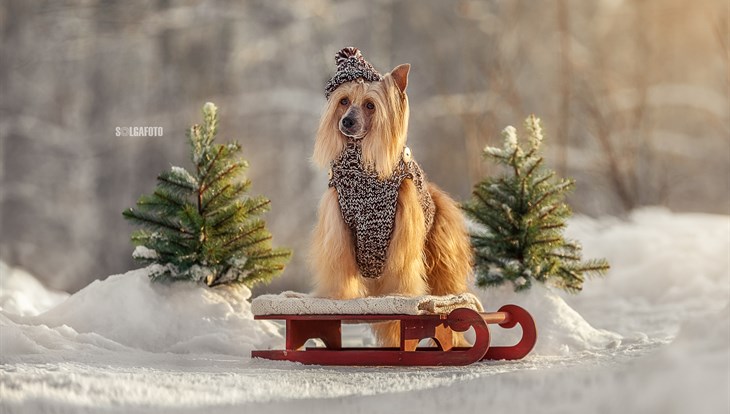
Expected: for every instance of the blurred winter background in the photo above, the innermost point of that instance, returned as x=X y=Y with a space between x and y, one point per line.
x=633 y=94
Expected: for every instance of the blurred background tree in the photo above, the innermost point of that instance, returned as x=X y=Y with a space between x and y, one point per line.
x=635 y=94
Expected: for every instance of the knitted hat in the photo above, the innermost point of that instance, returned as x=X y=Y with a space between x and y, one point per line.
x=351 y=66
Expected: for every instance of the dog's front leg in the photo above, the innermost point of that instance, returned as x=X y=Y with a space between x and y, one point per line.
x=333 y=253
x=405 y=270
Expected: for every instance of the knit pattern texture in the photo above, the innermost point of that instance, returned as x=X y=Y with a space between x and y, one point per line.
x=294 y=303
x=351 y=66
x=368 y=204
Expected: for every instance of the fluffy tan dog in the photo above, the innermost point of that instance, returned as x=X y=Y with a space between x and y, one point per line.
x=368 y=242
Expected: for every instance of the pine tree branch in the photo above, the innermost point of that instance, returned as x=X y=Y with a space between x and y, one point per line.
x=513 y=163
x=530 y=153
x=152 y=203
x=215 y=196
x=559 y=189
x=551 y=226
x=549 y=211
x=571 y=280
x=563 y=256
x=254 y=209
x=201 y=182
x=227 y=218
x=144 y=219
x=250 y=243
x=235 y=193
x=275 y=254
x=210 y=167
x=144 y=238
x=543 y=179
x=598 y=267
x=481 y=198
x=183 y=186
x=534 y=166
x=259 y=227
x=476 y=238
x=168 y=199
x=486 y=257
x=220 y=176
x=488 y=202
x=546 y=241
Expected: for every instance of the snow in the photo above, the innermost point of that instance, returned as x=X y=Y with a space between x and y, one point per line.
x=510 y=137
x=22 y=294
x=184 y=174
x=143 y=252
x=561 y=330
x=130 y=311
x=535 y=128
x=653 y=336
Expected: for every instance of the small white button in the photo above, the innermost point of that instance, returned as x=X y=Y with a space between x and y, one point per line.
x=406 y=154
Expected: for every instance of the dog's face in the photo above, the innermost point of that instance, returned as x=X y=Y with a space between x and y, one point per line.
x=357 y=108
x=375 y=113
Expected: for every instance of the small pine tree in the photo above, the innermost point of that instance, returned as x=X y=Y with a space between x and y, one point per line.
x=202 y=226
x=522 y=217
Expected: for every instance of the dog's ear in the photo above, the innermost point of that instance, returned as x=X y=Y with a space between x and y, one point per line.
x=400 y=76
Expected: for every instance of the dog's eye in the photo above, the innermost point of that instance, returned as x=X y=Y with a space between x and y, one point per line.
x=370 y=106
x=344 y=101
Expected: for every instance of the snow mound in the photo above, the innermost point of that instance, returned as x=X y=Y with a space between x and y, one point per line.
x=22 y=294
x=18 y=340
x=658 y=257
x=560 y=329
x=130 y=311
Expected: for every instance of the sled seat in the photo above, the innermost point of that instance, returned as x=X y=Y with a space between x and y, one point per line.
x=435 y=317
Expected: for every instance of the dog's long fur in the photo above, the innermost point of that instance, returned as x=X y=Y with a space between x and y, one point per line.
x=418 y=263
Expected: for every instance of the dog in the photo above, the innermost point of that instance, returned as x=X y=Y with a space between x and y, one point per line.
x=382 y=228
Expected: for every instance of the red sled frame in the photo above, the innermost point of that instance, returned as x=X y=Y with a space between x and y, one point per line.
x=414 y=328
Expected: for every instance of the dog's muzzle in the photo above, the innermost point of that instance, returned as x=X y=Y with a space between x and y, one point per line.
x=351 y=128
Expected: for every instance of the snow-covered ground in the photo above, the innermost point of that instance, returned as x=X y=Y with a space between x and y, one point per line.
x=652 y=337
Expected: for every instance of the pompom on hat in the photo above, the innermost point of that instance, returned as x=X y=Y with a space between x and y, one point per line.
x=351 y=66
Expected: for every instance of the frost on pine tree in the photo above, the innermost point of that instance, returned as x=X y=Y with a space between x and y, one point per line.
x=202 y=225
x=521 y=217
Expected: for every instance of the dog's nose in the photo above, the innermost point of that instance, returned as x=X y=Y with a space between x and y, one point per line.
x=348 y=122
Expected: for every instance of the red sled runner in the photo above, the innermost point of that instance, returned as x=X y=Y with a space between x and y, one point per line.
x=414 y=328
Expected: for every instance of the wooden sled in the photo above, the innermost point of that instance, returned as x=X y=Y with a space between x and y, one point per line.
x=414 y=328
